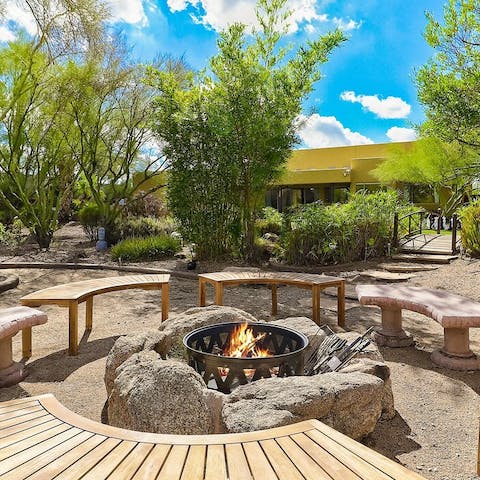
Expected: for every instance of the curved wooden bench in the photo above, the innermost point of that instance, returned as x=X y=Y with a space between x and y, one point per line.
x=308 y=281
x=72 y=294
x=41 y=439
x=455 y=313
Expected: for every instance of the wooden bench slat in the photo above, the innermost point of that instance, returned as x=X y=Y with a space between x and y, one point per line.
x=258 y=462
x=310 y=469
x=132 y=462
x=173 y=465
x=110 y=462
x=39 y=412
x=84 y=464
x=12 y=416
x=152 y=464
x=28 y=433
x=20 y=427
x=62 y=462
x=4 y=409
x=283 y=466
x=237 y=464
x=325 y=459
x=35 y=464
x=23 y=456
x=215 y=468
x=195 y=463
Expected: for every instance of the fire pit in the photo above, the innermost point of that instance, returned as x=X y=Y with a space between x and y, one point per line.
x=231 y=354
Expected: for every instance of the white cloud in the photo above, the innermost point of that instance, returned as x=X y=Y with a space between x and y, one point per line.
x=6 y=35
x=346 y=24
x=401 y=134
x=128 y=11
x=218 y=14
x=321 y=131
x=390 y=107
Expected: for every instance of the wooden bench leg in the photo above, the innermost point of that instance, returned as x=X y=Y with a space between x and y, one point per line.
x=73 y=328
x=341 y=304
x=219 y=293
x=202 y=294
x=391 y=333
x=89 y=313
x=456 y=353
x=165 y=301
x=316 y=304
x=274 y=298
x=10 y=372
x=27 y=342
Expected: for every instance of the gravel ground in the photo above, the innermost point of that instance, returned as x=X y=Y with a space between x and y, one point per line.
x=435 y=431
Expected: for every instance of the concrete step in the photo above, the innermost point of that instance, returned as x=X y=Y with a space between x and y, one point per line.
x=407 y=267
x=423 y=258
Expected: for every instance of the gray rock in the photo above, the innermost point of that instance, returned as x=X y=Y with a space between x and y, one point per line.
x=349 y=402
x=126 y=346
x=371 y=351
x=163 y=396
x=175 y=328
x=380 y=370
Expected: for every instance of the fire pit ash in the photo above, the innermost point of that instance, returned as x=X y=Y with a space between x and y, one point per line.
x=231 y=354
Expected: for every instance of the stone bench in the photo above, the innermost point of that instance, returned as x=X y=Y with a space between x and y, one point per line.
x=72 y=294
x=41 y=439
x=12 y=320
x=456 y=314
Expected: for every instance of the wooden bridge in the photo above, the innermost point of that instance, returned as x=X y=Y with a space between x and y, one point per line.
x=432 y=244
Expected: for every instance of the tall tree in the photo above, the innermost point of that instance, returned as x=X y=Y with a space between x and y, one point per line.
x=245 y=109
x=449 y=84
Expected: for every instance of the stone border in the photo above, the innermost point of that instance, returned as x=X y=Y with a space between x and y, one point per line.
x=11 y=281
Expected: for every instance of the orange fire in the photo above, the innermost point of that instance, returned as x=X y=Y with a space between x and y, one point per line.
x=243 y=343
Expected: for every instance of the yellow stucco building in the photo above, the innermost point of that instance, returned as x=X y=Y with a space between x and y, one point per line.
x=328 y=174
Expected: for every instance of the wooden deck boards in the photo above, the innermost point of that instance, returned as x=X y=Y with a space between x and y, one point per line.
x=67 y=446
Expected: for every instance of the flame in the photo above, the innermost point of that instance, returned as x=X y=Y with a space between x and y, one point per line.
x=243 y=343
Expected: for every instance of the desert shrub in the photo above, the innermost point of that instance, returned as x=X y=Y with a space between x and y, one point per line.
x=142 y=227
x=470 y=218
x=6 y=236
x=90 y=217
x=357 y=230
x=145 y=206
x=150 y=248
x=270 y=221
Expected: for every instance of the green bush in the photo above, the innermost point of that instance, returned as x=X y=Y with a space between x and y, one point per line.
x=270 y=221
x=470 y=218
x=126 y=227
x=338 y=233
x=90 y=217
x=6 y=237
x=150 y=248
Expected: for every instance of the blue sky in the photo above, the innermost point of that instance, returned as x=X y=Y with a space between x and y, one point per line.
x=367 y=93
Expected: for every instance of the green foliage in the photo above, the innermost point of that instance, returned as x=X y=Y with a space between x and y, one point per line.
x=6 y=237
x=145 y=205
x=150 y=248
x=90 y=217
x=228 y=131
x=143 y=226
x=270 y=221
x=357 y=230
x=470 y=218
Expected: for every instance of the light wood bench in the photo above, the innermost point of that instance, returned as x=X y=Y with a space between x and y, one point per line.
x=12 y=320
x=72 y=294
x=41 y=439
x=454 y=313
x=312 y=282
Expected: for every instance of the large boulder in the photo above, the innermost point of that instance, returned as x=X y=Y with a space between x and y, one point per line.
x=125 y=346
x=349 y=402
x=175 y=328
x=150 y=394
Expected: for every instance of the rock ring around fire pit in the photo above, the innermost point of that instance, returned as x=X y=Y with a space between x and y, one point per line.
x=234 y=353
x=149 y=390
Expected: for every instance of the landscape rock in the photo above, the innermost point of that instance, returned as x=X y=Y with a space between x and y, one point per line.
x=125 y=346
x=349 y=402
x=150 y=394
x=175 y=328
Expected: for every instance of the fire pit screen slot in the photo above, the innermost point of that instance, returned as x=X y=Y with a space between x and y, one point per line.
x=266 y=350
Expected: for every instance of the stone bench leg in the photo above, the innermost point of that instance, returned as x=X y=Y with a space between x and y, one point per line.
x=391 y=333
x=456 y=353
x=10 y=372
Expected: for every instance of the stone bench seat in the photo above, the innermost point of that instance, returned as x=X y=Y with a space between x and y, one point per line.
x=41 y=439
x=12 y=321
x=456 y=314
x=72 y=294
